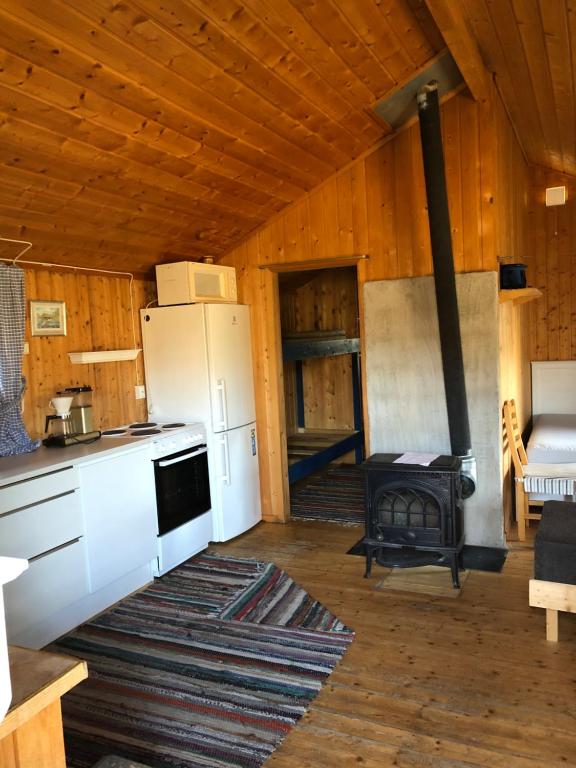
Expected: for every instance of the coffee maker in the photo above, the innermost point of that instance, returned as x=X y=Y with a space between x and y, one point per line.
x=81 y=410
x=72 y=422
x=59 y=424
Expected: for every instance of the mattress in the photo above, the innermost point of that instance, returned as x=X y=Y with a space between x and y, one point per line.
x=553 y=439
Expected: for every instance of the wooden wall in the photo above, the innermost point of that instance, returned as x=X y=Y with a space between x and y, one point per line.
x=376 y=206
x=327 y=301
x=513 y=244
x=553 y=268
x=98 y=317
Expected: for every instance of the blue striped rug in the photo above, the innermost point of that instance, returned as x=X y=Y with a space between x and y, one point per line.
x=335 y=495
x=209 y=667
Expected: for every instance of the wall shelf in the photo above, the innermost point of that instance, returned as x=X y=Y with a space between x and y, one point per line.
x=104 y=356
x=519 y=295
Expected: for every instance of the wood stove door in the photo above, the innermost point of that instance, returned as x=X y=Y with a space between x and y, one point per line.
x=407 y=515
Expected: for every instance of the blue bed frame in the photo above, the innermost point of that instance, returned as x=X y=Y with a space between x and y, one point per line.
x=298 y=350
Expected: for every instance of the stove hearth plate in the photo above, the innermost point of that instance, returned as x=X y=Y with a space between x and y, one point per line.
x=142 y=425
x=174 y=425
x=107 y=432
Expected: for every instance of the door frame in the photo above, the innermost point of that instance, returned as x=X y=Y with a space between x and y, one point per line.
x=269 y=372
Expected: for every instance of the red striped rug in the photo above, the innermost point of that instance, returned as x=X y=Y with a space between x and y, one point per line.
x=209 y=667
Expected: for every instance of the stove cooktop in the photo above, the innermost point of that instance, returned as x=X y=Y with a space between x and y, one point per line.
x=144 y=429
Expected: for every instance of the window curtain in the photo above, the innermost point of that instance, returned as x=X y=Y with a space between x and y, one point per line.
x=13 y=436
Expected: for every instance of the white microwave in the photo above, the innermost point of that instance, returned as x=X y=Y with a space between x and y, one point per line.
x=189 y=282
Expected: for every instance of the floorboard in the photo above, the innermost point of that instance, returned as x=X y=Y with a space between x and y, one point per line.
x=429 y=681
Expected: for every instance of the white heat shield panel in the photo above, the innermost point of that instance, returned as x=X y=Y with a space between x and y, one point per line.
x=405 y=383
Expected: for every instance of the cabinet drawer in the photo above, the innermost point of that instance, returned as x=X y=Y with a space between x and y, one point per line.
x=37 y=489
x=52 y=582
x=33 y=530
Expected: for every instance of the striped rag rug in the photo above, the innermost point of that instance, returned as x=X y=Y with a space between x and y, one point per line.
x=209 y=667
x=335 y=495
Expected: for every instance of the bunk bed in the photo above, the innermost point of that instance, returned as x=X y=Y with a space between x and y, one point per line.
x=311 y=449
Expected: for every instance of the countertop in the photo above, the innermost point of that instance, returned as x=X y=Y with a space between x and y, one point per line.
x=14 y=469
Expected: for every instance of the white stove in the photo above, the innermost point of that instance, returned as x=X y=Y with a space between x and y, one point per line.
x=166 y=438
x=183 y=505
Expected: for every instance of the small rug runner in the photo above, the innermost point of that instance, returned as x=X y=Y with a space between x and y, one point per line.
x=335 y=495
x=209 y=667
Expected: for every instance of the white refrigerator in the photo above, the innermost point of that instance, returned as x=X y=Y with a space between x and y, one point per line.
x=198 y=364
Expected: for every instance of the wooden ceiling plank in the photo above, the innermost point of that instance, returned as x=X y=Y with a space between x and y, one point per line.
x=73 y=30
x=498 y=48
x=107 y=39
x=462 y=45
x=163 y=50
x=559 y=37
x=68 y=238
x=151 y=108
x=237 y=42
x=114 y=236
x=69 y=124
x=393 y=34
x=50 y=164
x=33 y=140
x=529 y=24
x=376 y=33
x=306 y=41
x=39 y=184
x=346 y=43
x=426 y=21
x=89 y=108
x=31 y=201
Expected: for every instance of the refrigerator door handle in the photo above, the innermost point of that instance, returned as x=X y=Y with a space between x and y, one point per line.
x=221 y=388
x=226 y=476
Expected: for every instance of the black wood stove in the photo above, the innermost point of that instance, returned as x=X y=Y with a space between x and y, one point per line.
x=413 y=509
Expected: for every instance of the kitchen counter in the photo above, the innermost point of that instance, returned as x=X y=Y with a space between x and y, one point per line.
x=14 y=469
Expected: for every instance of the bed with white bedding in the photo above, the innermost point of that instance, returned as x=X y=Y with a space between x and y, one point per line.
x=553 y=439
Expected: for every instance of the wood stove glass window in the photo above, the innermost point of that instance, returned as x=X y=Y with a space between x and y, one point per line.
x=408 y=508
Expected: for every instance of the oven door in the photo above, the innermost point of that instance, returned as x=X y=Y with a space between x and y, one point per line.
x=182 y=487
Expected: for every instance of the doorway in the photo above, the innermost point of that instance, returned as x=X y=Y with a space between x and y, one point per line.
x=319 y=317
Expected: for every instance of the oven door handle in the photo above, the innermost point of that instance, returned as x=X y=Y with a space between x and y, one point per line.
x=186 y=456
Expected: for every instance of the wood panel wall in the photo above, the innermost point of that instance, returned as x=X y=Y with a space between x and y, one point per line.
x=513 y=244
x=552 y=268
x=376 y=206
x=327 y=302
x=98 y=317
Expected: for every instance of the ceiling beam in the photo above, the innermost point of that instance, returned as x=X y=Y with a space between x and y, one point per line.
x=451 y=22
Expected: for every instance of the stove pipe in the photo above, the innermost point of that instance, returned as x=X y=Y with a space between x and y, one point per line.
x=445 y=284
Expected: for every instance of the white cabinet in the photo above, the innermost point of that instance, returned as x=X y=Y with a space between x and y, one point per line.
x=41 y=521
x=119 y=504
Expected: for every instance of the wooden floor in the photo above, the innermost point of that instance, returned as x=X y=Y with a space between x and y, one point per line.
x=428 y=682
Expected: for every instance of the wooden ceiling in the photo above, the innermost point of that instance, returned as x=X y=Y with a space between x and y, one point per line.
x=530 y=46
x=141 y=131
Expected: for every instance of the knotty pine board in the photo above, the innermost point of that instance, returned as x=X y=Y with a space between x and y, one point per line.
x=97 y=317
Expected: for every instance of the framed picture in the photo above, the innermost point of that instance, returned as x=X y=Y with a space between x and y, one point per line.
x=48 y=318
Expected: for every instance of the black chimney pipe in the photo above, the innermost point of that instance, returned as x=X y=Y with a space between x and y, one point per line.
x=445 y=282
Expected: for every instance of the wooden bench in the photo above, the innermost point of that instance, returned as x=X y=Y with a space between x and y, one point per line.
x=554 y=584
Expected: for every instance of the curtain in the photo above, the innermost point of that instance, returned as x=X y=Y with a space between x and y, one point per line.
x=13 y=436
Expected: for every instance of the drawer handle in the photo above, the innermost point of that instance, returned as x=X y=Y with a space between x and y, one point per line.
x=54 y=549
x=37 y=503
